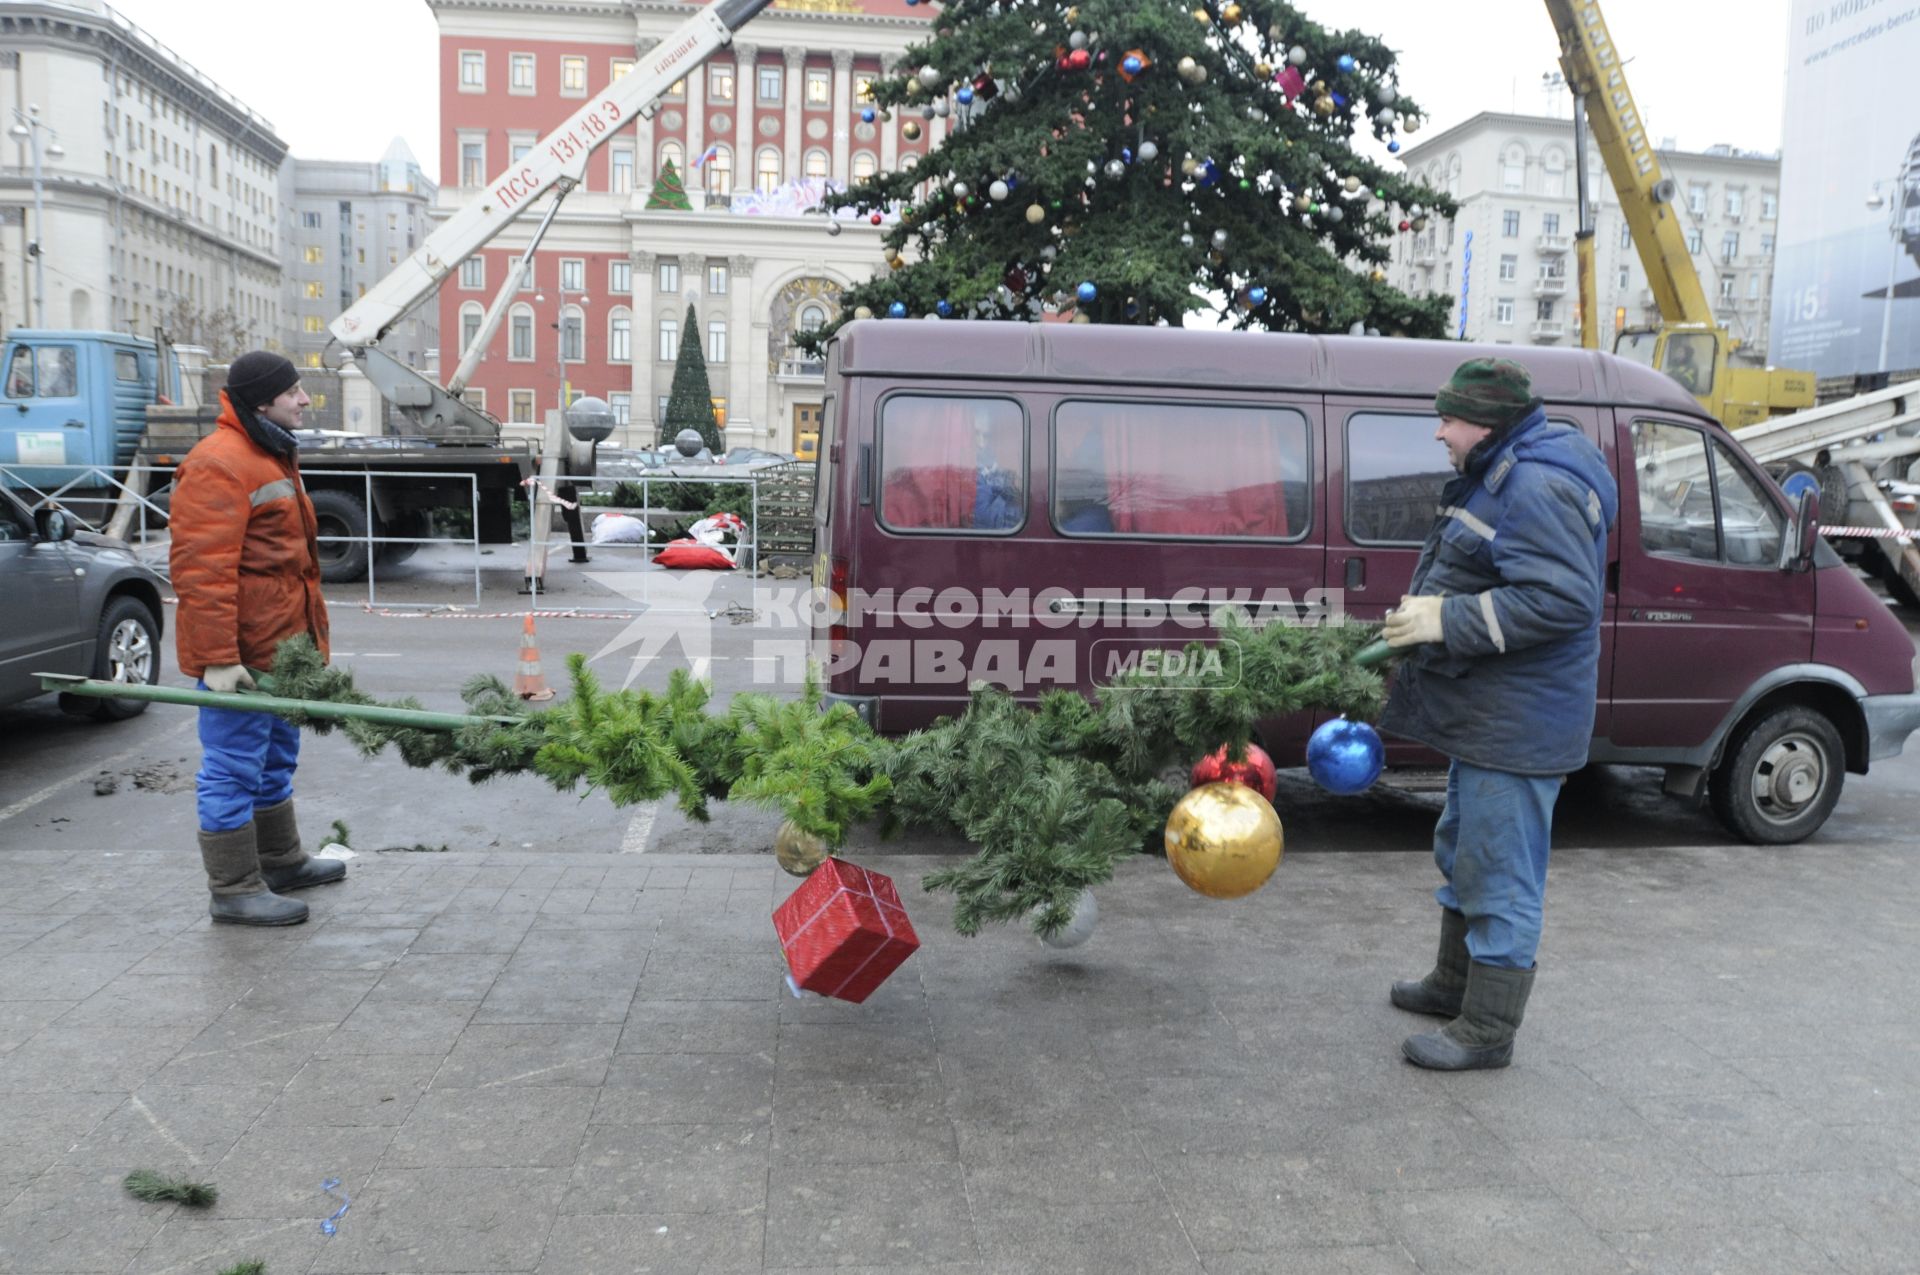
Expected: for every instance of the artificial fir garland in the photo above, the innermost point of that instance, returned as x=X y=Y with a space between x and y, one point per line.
x=1054 y=795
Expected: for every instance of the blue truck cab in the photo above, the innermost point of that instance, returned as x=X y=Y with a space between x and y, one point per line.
x=71 y=401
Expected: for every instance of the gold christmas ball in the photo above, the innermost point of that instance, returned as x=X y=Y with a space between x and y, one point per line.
x=1185 y=67
x=1377 y=275
x=1189 y=165
x=1035 y=214
x=1263 y=69
x=1073 y=14
x=797 y=852
x=862 y=312
x=911 y=130
x=1201 y=15
x=1224 y=840
x=1323 y=106
x=1230 y=13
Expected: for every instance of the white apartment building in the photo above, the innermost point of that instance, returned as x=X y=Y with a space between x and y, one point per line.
x=165 y=198
x=1506 y=259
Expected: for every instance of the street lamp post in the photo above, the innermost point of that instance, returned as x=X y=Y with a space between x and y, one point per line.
x=27 y=128
x=1889 y=193
x=576 y=529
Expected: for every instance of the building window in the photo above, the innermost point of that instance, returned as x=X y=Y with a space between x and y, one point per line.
x=667 y=278
x=811 y=316
x=716 y=278
x=474 y=397
x=1509 y=268
x=1549 y=223
x=315 y=255
x=313 y=359
x=1729 y=245
x=1753 y=287
x=719 y=171
x=573 y=274
x=670 y=153
x=621 y=401
x=863 y=166
x=573 y=334
x=316 y=291
x=1769 y=204
x=817 y=163
x=620 y=277
x=676 y=91
x=1543 y=309
x=719 y=411
x=473 y=163
x=660 y=409
x=1624 y=280
x=1726 y=287
x=1766 y=244
x=620 y=337
x=313 y=325
x=310 y=220
x=766 y=169
x=473 y=71
x=669 y=340
x=1510 y=224
x=470 y=315
x=1697 y=200
x=717 y=341
x=519 y=72
x=520 y=407
x=620 y=171
x=719 y=83
x=819 y=86
x=573 y=77
x=1626 y=235
x=1513 y=169
x=519 y=146
x=520 y=334
x=769 y=79
x=1693 y=240
x=862 y=89
x=1503 y=310
x=619 y=67
x=1736 y=204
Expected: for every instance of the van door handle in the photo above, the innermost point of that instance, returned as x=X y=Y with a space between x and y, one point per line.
x=865 y=476
x=1356 y=573
x=76 y=424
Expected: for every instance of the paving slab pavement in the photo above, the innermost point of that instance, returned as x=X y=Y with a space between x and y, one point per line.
x=551 y=1062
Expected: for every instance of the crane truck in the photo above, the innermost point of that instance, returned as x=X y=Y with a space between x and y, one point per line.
x=99 y=417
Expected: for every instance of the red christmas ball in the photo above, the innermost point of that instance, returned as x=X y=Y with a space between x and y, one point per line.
x=1255 y=772
x=875 y=219
x=1406 y=225
x=1078 y=59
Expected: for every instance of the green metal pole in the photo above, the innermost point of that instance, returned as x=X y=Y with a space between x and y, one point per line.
x=250 y=702
x=1373 y=653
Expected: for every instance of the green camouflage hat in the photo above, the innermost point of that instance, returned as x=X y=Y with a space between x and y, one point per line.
x=1490 y=392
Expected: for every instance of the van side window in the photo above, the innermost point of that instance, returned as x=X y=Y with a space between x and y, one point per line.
x=1396 y=471
x=1676 y=492
x=20 y=372
x=1180 y=469
x=1750 y=522
x=952 y=464
x=126 y=366
x=59 y=371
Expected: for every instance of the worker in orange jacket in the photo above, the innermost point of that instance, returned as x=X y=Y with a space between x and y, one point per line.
x=246 y=571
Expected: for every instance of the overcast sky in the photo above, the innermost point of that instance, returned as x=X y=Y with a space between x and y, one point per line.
x=339 y=80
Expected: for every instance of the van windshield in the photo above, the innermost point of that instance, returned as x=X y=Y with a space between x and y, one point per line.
x=1636 y=347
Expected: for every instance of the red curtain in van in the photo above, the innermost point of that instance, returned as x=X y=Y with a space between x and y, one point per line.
x=934 y=453
x=1180 y=471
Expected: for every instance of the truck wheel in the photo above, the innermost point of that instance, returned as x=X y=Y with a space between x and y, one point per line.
x=411 y=523
x=1780 y=778
x=341 y=513
x=127 y=650
x=1886 y=573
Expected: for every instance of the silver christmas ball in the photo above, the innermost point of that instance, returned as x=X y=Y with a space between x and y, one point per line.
x=1089 y=183
x=833 y=227
x=1384 y=115
x=1078 y=40
x=1116 y=169
x=1219 y=240
x=1336 y=213
x=1358 y=329
x=1077 y=931
x=997 y=191
x=1414 y=210
x=1186 y=241
x=961 y=190
x=1148 y=152
x=1385 y=93
x=926 y=113
x=929 y=77
x=1048 y=253
x=942 y=108
x=1297 y=56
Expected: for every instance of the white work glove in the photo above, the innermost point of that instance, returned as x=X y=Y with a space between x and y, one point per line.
x=227 y=678
x=1414 y=621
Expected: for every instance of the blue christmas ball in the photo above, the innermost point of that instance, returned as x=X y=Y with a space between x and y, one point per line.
x=1345 y=757
x=1126 y=154
x=1393 y=148
x=964 y=96
x=1339 y=101
x=898 y=310
x=1086 y=291
x=1257 y=295
x=1344 y=61
x=945 y=307
x=866 y=115
x=1130 y=64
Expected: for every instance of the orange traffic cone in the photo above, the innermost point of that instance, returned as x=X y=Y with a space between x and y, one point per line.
x=529 y=683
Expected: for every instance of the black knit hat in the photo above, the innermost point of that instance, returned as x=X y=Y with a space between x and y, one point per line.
x=1491 y=392
x=259 y=377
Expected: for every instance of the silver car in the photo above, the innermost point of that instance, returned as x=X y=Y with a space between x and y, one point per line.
x=73 y=601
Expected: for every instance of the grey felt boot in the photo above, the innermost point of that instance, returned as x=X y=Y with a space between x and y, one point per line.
x=284 y=862
x=1482 y=1037
x=1440 y=991
x=239 y=896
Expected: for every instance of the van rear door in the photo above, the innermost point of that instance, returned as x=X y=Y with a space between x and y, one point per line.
x=1704 y=610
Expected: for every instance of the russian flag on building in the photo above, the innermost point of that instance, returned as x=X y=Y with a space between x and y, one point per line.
x=707 y=154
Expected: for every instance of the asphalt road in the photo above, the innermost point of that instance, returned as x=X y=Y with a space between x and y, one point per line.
x=51 y=764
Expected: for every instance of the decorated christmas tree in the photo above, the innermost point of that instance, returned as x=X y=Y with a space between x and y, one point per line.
x=1123 y=158
x=691 y=406
x=668 y=192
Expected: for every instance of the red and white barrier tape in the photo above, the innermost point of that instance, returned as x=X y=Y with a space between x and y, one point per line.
x=551 y=495
x=480 y=615
x=1872 y=533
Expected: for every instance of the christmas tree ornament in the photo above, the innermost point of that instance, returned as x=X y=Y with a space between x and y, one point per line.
x=1078 y=929
x=1419 y=223
x=943 y=308
x=1035 y=214
x=1291 y=83
x=1189 y=165
x=1199 y=75
x=1358 y=328
x=960 y=190
x=1351 y=183
x=1086 y=292
x=1219 y=240
x=929 y=77
x=1116 y=169
x=1079 y=60
x=867 y=115
x=1345 y=756
x=1246 y=184
x=965 y=95
x=1393 y=148
x=1336 y=213
x=941 y=108
x=1185 y=68
x=1202 y=16
x=1323 y=107
x=1126 y=154
x=898 y=310
x=1384 y=116
x=985 y=88
x=1413 y=210
x=1385 y=93
x=1255 y=770
x=1132 y=64
x=1405 y=225
x=844 y=931
x=798 y=853
x=927 y=112
x=1077 y=40
x=1148 y=152
x=1377 y=275
x=1186 y=240
x=997 y=191
x=862 y=312
x=1262 y=69
x=1230 y=13
x=1224 y=840
x=833 y=227
x=875 y=218
x=1257 y=295
x=1297 y=56
x=1345 y=63
x=911 y=130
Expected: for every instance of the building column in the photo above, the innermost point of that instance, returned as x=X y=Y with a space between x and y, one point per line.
x=644 y=422
x=796 y=91
x=842 y=113
x=745 y=94
x=889 y=122
x=740 y=347
x=694 y=179
x=643 y=139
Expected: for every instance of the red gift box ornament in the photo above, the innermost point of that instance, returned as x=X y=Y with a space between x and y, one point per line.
x=844 y=931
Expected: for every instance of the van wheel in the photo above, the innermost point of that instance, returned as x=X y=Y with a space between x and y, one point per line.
x=127 y=650
x=341 y=513
x=1781 y=778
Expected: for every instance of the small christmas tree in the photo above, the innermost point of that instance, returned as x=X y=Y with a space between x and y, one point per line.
x=668 y=192
x=691 y=406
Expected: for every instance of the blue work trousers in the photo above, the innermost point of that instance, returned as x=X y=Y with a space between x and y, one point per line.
x=247 y=762
x=1491 y=846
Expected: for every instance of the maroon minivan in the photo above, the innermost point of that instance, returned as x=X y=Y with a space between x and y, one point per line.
x=1045 y=505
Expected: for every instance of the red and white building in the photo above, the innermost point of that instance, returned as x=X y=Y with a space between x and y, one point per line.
x=753 y=133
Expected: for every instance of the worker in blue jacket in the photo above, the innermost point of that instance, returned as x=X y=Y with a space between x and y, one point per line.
x=1501 y=635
